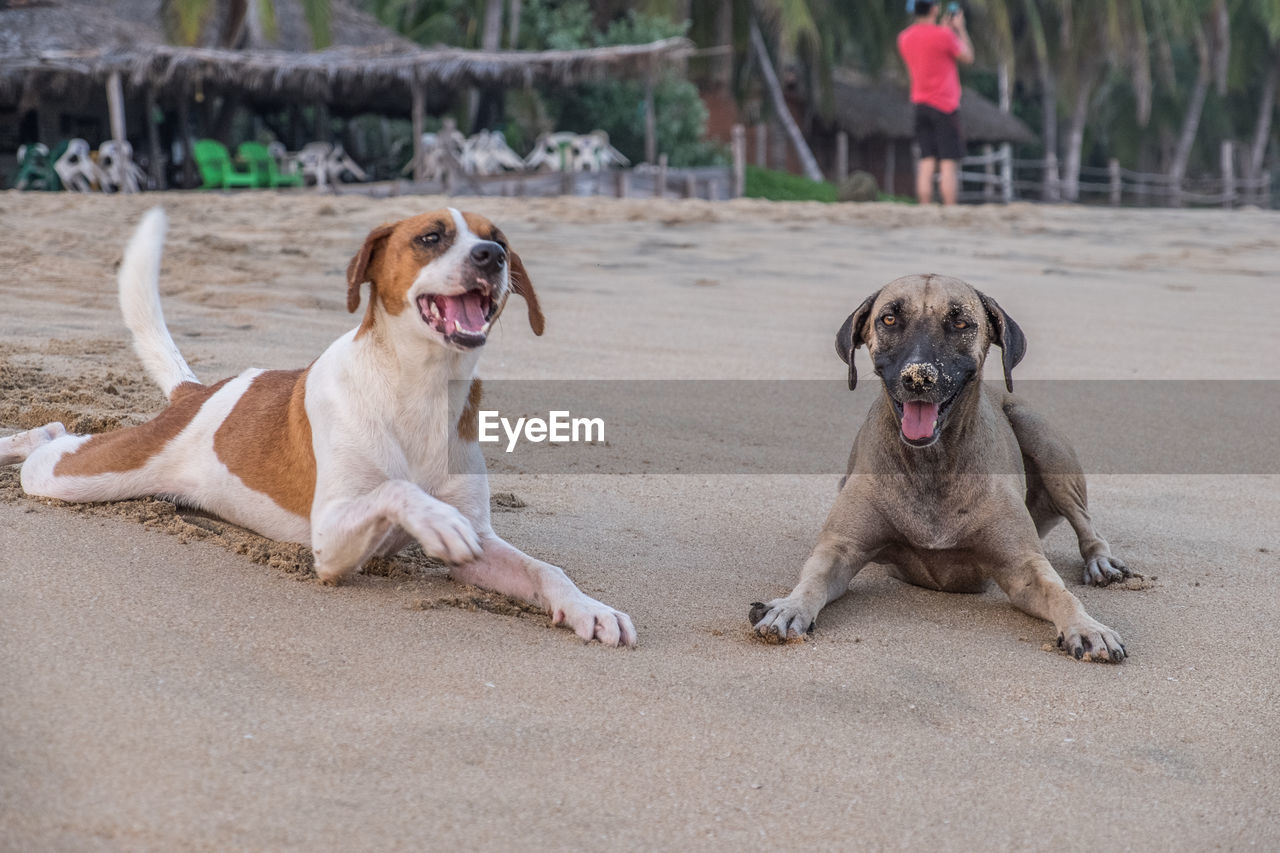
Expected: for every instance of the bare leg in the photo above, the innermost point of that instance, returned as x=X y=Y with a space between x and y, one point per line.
x=924 y=179
x=824 y=578
x=949 y=181
x=344 y=533
x=503 y=568
x=1035 y=588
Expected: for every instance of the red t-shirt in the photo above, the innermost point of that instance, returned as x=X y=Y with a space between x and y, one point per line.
x=930 y=52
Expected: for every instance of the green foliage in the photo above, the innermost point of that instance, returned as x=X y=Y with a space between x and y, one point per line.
x=319 y=18
x=781 y=186
x=617 y=106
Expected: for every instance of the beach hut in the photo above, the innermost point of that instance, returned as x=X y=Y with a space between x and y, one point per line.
x=878 y=118
x=81 y=68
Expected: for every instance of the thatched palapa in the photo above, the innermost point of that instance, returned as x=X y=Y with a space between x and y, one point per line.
x=349 y=74
x=880 y=109
x=59 y=46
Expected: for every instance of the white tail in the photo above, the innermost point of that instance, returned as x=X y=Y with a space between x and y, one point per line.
x=140 y=304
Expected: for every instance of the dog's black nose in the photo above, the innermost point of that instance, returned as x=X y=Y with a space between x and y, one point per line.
x=487 y=254
x=919 y=377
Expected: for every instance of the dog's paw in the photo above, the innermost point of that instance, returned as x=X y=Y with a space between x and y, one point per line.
x=594 y=620
x=445 y=533
x=781 y=620
x=1102 y=569
x=1089 y=639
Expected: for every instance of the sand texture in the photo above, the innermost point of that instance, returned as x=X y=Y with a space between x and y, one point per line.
x=171 y=682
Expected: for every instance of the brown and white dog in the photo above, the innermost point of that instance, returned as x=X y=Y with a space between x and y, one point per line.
x=356 y=455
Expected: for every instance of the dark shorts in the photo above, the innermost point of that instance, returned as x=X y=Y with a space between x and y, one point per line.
x=938 y=134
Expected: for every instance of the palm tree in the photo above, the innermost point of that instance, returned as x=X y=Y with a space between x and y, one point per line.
x=811 y=35
x=1259 y=40
x=1209 y=25
x=185 y=20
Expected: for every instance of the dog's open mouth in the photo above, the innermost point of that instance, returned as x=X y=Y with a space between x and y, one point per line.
x=921 y=420
x=463 y=318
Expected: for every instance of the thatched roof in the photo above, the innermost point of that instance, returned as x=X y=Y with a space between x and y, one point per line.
x=867 y=109
x=64 y=44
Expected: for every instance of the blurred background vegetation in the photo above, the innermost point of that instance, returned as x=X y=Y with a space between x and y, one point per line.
x=1158 y=84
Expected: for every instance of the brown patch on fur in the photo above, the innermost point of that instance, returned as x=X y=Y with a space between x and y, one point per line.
x=390 y=261
x=266 y=440
x=521 y=284
x=518 y=276
x=469 y=423
x=129 y=449
x=358 y=273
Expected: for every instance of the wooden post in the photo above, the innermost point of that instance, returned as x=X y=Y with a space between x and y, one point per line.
x=418 y=116
x=1051 y=192
x=153 y=142
x=989 y=173
x=762 y=145
x=566 y=182
x=1264 y=189
x=448 y=128
x=739 y=137
x=842 y=156
x=660 y=185
x=322 y=122
x=620 y=183
x=1228 y=174
x=1006 y=172
x=777 y=147
x=1113 y=171
x=690 y=186
x=890 y=166
x=650 y=121
x=189 y=179
x=115 y=106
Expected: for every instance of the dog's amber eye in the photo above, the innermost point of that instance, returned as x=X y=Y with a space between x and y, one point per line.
x=959 y=324
x=429 y=239
x=888 y=319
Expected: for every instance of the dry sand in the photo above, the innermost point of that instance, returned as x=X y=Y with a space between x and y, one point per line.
x=169 y=682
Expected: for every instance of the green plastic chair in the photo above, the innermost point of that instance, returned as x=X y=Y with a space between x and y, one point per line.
x=36 y=171
x=216 y=169
x=260 y=161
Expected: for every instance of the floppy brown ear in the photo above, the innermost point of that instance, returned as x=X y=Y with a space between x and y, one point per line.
x=1008 y=336
x=358 y=269
x=849 y=338
x=521 y=284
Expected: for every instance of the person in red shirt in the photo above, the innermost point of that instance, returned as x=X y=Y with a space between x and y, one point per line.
x=931 y=51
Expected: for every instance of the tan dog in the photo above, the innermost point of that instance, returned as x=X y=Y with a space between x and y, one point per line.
x=356 y=455
x=950 y=483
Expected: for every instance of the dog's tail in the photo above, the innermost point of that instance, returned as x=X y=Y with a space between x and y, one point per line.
x=140 y=304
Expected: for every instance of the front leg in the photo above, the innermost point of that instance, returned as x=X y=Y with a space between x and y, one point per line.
x=824 y=578
x=346 y=532
x=1035 y=588
x=505 y=569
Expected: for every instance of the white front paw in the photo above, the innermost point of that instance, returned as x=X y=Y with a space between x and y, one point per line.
x=594 y=620
x=445 y=533
x=781 y=620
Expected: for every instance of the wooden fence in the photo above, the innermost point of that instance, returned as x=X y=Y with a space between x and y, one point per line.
x=1005 y=178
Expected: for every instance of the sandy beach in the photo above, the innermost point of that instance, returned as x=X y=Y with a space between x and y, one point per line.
x=170 y=682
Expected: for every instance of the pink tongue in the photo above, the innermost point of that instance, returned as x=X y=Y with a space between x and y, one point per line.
x=918 y=418
x=465 y=311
